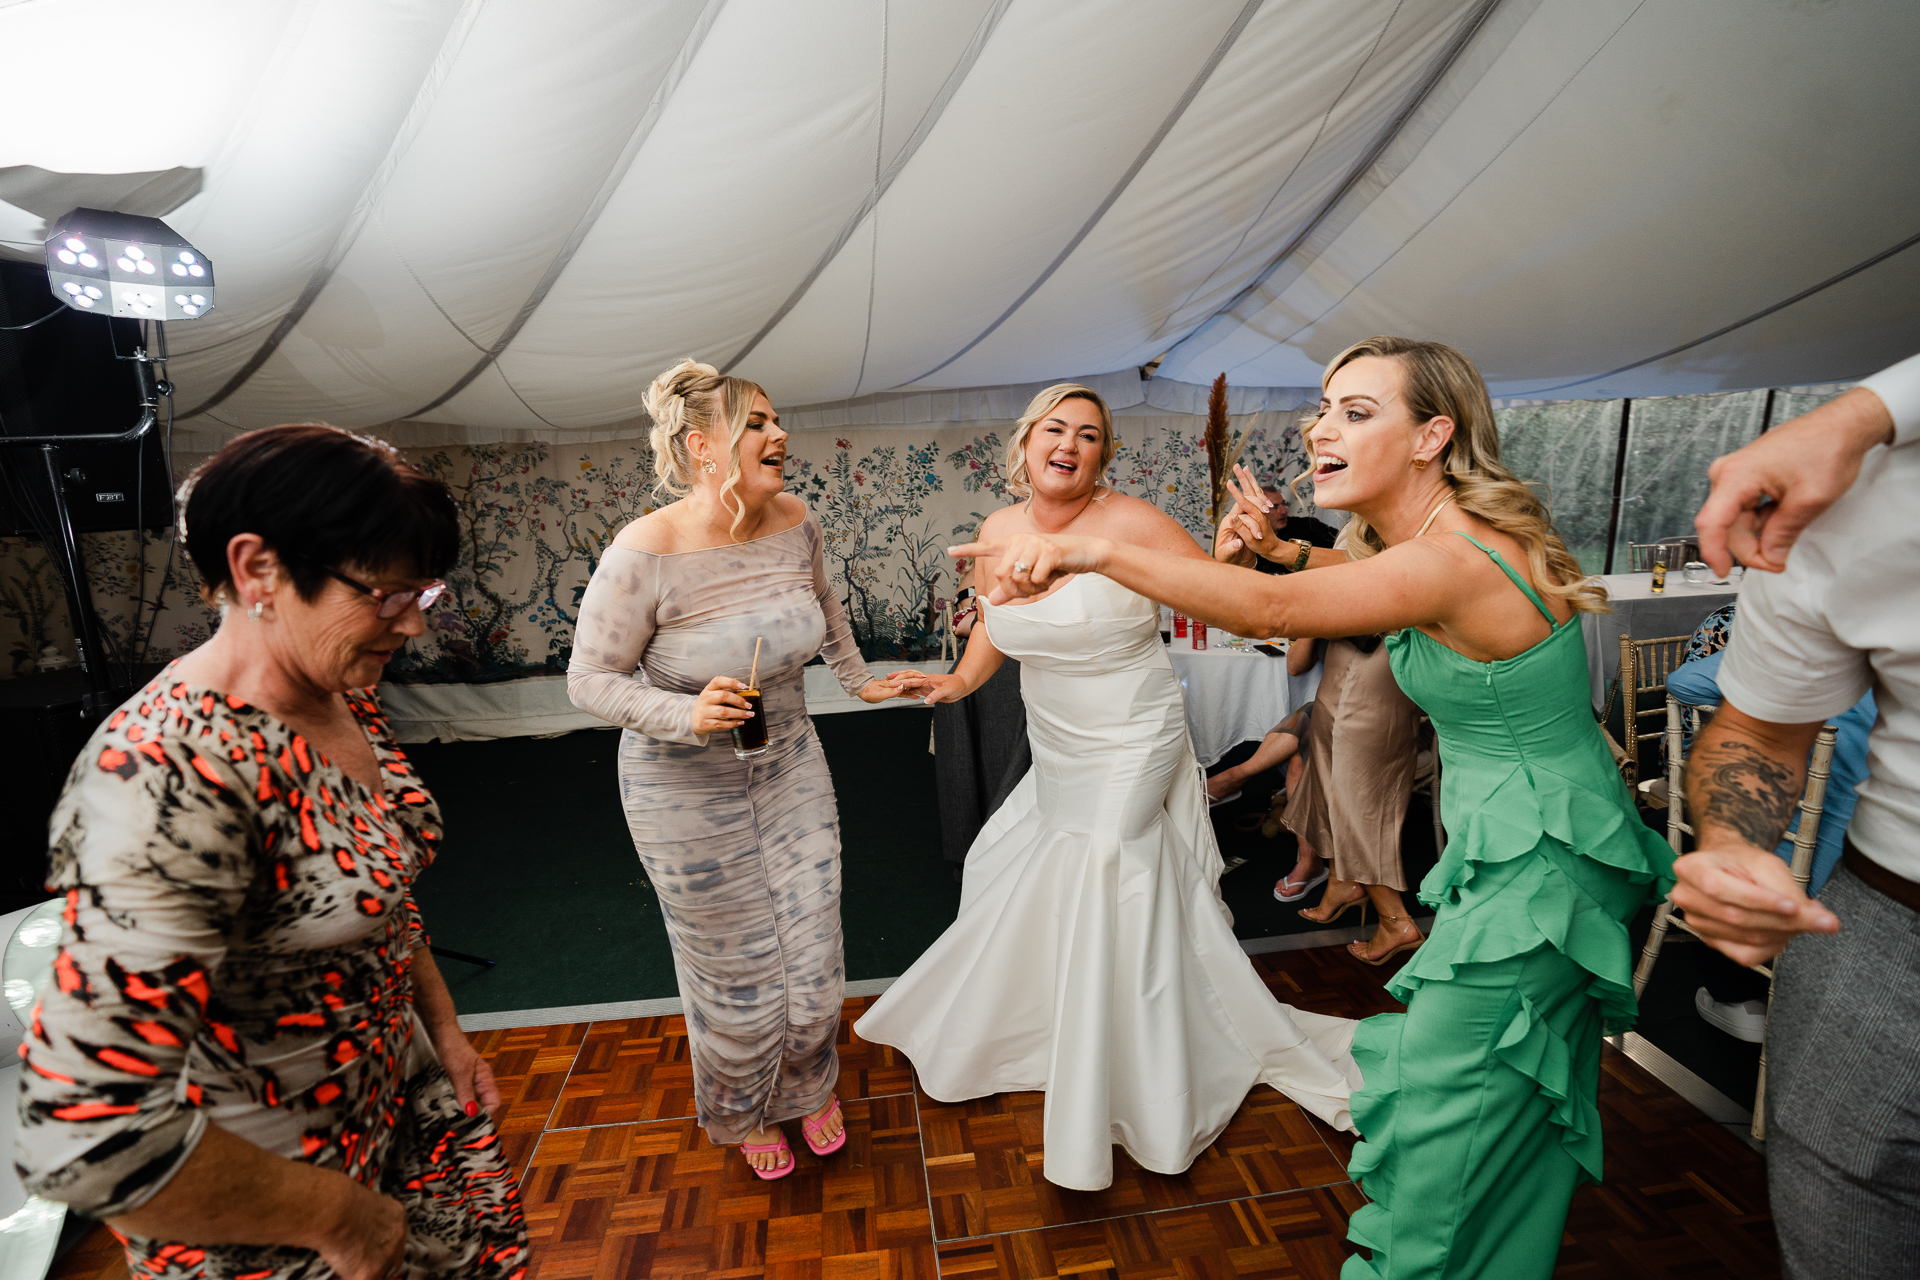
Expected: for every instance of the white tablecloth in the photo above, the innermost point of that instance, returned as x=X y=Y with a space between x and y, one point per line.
x=1235 y=697
x=1639 y=613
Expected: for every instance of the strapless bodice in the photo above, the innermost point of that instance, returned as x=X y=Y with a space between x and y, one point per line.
x=1090 y=626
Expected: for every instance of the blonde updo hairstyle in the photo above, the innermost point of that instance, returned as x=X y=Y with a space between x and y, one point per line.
x=1442 y=383
x=1019 y=479
x=697 y=397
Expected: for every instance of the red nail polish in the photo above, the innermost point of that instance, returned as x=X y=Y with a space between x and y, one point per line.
x=473 y=1109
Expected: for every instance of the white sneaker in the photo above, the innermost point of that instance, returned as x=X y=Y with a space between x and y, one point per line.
x=1744 y=1021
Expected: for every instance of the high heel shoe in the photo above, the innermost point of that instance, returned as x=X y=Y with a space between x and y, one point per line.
x=1358 y=952
x=1336 y=917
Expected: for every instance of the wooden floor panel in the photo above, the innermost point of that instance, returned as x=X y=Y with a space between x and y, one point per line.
x=1278 y=1237
x=529 y=1064
x=640 y=1069
x=659 y=1199
x=619 y=1181
x=985 y=1160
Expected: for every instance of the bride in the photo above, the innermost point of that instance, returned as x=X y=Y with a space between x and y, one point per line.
x=1093 y=957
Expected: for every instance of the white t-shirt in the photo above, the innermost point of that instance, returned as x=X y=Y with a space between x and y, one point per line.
x=1845 y=617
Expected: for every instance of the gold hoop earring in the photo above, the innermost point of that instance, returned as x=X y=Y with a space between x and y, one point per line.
x=1420 y=464
x=709 y=466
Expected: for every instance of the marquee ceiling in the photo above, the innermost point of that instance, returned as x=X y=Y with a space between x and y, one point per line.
x=510 y=214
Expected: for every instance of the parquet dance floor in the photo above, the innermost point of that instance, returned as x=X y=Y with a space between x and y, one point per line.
x=619 y=1182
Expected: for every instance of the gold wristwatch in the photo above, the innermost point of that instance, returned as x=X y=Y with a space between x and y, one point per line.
x=1300 y=562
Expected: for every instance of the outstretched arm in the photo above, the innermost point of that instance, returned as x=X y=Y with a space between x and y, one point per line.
x=1408 y=585
x=1742 y=782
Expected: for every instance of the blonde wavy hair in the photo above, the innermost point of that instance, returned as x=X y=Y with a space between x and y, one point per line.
x=1442 y=383
x=1019 y=480
x=697 y=397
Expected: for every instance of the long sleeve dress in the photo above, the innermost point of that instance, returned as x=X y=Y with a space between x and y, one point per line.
x=1481 y=1108
x=239 y=929
x=745 y=854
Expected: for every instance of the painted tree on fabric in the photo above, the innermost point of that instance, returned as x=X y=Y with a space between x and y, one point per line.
x=872 y=513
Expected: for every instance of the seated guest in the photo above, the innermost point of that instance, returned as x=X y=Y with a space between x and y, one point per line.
x=248 y=1064
x=1258 y=533
x=980 y=743
x=1734 y=997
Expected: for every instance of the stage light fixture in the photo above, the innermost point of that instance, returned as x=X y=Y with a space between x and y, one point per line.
x=110 y=264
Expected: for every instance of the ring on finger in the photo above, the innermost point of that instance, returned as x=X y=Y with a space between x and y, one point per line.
x=1021 y=566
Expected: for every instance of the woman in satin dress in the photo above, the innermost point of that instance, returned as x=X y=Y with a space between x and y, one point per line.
x=1093 y=958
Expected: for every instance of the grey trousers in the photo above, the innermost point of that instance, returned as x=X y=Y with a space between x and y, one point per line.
x=1843 y=1092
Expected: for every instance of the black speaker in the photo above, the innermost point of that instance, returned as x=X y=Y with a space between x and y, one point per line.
x=64 y=378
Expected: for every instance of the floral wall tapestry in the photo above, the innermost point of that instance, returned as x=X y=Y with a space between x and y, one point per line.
x=535 y=518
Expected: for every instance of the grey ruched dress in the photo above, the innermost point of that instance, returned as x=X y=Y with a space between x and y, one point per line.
x=745 y=855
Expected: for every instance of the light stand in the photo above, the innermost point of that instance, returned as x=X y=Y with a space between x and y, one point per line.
x=102 y=695
x=106 y=263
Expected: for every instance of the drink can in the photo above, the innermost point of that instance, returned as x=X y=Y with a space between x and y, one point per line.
x=1199 y=634
x=1179 y=623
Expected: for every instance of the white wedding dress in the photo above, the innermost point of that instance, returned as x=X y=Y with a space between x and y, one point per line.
x=1093 y=957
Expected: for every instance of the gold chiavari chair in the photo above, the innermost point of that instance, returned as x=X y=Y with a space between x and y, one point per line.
x=1673 y=552
x=1813 y=802
x=1644 y=668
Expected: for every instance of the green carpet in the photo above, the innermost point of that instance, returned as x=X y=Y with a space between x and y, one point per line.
x=538 y=872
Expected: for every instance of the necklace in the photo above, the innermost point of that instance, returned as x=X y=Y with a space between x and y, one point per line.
x=1428 y=523
x=1075 y=516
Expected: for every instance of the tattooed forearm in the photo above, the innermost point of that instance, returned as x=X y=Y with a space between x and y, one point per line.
x=1736 y=784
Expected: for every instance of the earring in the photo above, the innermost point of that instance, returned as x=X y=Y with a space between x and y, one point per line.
x=1420 y=464
x=255 y=609
x=709 y=466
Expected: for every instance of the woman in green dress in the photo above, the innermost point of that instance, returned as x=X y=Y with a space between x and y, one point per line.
x=1479 y=1110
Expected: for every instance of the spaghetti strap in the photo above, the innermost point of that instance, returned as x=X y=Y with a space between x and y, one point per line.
x=1518 y=581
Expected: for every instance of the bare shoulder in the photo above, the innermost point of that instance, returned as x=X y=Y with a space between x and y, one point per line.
x=656 y=533
x=1001 y=523
x=1125 y=518
x=791 y=509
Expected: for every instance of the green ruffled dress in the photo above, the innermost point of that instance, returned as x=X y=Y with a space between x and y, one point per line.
x=1480 y=1111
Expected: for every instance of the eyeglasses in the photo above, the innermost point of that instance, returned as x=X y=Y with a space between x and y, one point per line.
x=388 y=604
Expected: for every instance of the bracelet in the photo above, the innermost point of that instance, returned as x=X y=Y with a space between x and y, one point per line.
x=1300 y=561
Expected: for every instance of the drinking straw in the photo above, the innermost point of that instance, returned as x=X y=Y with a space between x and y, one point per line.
x=753 y=680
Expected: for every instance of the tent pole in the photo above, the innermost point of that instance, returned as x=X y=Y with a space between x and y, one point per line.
x=1619 y=479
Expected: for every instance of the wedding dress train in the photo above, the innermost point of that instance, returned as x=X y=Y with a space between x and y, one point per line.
x=1093 y=957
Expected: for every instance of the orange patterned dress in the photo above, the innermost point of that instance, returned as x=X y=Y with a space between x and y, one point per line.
x=239 y=926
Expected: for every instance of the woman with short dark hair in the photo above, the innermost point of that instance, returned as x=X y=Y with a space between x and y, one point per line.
x=248 y=1063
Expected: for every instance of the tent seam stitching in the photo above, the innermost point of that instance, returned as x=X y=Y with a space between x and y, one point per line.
x=871 y=204
x=1227 y=41
x=1161 y=329
x=410 y=125
x=1468 y=184
x=590 y=216
x=1353 y=179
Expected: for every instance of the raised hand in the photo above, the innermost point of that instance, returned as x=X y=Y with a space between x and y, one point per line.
x=1765 y=494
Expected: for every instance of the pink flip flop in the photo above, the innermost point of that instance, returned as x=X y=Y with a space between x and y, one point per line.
x=809 y=1127
x=779 y=1170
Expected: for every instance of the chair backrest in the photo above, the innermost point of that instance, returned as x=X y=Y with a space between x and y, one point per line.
x=1644 y=668
x=1674 y=552
x=1813 y=797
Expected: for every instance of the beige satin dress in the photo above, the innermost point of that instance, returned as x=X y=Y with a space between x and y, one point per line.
x=1358 y=777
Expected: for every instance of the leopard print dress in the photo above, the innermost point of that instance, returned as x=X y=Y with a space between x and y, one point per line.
x=239 y=926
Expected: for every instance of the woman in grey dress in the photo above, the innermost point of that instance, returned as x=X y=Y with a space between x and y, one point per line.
x=745 y=854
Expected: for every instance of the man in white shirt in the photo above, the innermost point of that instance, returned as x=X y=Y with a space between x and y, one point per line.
x=1840 y=616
